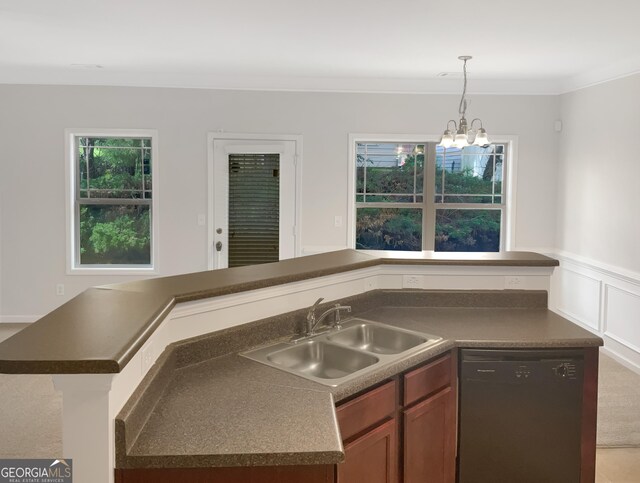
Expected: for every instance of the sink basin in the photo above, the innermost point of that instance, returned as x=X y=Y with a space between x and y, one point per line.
x=321 y=360
x=342 y=354
x=377 y=339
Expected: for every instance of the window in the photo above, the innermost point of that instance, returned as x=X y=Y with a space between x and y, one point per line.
x=112 y=200
x=389 y=196
x=419 y=196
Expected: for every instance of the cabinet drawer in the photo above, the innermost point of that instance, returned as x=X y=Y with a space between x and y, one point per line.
x=367 y=410
x=372 y=457
x=427 y=380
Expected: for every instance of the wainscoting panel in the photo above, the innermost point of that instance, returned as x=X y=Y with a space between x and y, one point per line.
x=622 y=316
x=602 y=299
x=579 y=296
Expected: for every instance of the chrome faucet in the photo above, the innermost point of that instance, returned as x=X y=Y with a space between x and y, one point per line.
x=313 y=322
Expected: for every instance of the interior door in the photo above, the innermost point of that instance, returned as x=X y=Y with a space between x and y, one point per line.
x=254 y=202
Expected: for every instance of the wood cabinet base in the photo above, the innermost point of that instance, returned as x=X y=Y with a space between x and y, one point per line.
x=253 y=474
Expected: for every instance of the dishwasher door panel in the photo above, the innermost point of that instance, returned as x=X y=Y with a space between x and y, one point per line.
x=520 y=422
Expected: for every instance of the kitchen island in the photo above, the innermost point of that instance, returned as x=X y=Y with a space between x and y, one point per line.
x=114 y=395
x=228 y=411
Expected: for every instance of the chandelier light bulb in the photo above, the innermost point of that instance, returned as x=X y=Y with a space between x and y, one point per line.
x=481 y=138
x=461 y=141
x=447 y=139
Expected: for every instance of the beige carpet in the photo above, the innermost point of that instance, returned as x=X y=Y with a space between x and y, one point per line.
x=618 y=405
x=30 y=413
x=30 y=418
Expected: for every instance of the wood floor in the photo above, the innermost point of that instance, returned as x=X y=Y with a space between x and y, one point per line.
x=618 y=465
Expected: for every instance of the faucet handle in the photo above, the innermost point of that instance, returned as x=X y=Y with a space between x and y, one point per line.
x=338 y=308
x=311 y=315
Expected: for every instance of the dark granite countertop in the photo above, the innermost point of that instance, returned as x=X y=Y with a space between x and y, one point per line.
x=231 y=411
x=101 y=329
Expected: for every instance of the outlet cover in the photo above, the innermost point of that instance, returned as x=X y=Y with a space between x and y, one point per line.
x=60 y=289
x=370 y=284
x=411 y=281
x=147 y=357
x=513 y=282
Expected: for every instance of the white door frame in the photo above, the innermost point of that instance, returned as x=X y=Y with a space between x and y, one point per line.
x=254 y=138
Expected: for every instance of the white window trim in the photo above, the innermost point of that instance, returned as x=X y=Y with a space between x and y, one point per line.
x=509 y=212
x=70 y=187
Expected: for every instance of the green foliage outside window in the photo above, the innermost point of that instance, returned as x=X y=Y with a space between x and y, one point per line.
x=455 y=229
x=397 y=180
x=115 y=234
x=467 y=231
x=389 y=229
x=113 y=230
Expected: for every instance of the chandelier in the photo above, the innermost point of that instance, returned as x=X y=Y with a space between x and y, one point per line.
x=465 y=134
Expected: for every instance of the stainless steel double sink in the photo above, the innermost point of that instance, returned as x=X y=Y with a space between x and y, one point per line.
x=342 y=354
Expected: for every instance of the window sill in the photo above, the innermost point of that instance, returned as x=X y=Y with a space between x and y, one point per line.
x=112 y=271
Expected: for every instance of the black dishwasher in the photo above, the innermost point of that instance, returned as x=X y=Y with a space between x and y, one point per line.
x=520 y=416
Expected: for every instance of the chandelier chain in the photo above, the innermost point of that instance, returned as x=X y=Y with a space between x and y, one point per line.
x=462 y=109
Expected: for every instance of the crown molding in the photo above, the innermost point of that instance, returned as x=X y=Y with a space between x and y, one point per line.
x=106 y=77
x=365 y=85
x=601 y=75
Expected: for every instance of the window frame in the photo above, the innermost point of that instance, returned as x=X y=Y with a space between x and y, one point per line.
x=72 y=206
x=507 y=232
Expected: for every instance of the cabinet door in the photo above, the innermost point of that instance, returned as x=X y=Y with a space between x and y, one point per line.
x=429 y=440
x=371 y=458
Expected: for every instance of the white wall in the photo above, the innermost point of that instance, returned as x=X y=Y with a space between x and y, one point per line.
x=33 y=119
x=599 y=174
x=598 y=230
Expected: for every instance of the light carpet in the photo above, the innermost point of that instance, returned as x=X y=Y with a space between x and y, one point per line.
x=618 y=405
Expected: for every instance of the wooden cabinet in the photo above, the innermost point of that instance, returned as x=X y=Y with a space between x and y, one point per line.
x=419 y=405
x=371 y=458
x=429 y=440
x=369 y=429
x=430 y=424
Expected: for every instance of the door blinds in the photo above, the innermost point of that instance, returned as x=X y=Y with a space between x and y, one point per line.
x=254 y=209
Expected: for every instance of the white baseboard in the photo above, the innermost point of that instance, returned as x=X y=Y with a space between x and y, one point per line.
x=19 y=319
x=621 y=360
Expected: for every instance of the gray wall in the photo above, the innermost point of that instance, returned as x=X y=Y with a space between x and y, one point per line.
x=32 y=166
x=599 y=174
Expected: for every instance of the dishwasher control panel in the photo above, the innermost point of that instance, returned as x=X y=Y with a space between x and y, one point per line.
x=565 y=370
x=523 y=371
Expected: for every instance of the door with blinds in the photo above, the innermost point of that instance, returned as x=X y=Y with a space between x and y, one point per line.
x=254 y=202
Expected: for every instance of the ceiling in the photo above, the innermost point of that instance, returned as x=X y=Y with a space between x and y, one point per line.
x=546 y=46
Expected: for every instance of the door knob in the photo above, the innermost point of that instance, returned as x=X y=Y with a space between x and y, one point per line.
x=219 y=246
